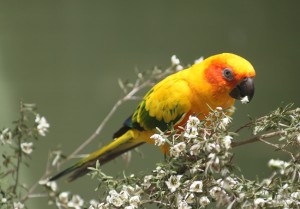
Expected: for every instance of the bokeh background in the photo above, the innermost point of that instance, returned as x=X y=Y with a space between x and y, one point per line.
x=66 y=56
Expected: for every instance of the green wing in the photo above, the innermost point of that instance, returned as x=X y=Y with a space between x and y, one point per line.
x=163 y=105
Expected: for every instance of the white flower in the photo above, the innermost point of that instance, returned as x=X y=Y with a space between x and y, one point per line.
x=196 y=186
x=3 y=200
x=160 y=173
x=204 y=201
x=183 y=205
x=259 y=202
x=278 y=164
x=226 y=121
x=191 y=133
x=42 y=125
x=227 y=142
x=219 y=108
x=177 y=149
x=6 y=136
x=63 y=199
x=175 y=60
x=192 y=122
x=298 y=138
x=216 y=192
x=27 y=147
x=195 y=149
x=124 y=195
x=179 y=67
x=190 y=198
x=173 y=182
x=18 y=205
x=147 y=181
x=52 y=185
x=94 y=203
x=158 y=139
x=114 y=198
x=245 y=100
x=76 y=202
x=200 y=59
x=296 y=195
x=191 y=129
x=134 y=201
x=102 y=206
x=129 y=207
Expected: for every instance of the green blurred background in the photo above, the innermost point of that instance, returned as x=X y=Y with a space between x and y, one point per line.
x=67 y=56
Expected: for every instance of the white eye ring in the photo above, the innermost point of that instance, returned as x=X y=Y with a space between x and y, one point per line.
x=227 y=74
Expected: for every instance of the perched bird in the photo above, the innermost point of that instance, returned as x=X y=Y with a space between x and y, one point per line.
x=215 y=82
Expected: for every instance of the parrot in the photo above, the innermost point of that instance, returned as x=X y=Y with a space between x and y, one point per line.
x=217 y=81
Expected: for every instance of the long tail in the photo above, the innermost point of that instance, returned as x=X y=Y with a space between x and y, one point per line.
x=122 y=144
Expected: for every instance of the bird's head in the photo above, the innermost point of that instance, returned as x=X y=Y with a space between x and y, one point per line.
x=231 y=75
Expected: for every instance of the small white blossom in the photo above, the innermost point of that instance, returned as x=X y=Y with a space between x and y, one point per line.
x=190 y=198
x=102 y=206
x=129 y=207
x=191 y=129
x=204 y=201
x=27 y=147
x=296 y=195
x=160 y=173
x=196 y=186
x=183 y=205
x=195 y=149
x=278 y=164
x=173 y=182
x=227 y=141
x=158 y=139
x=177 y=149
x=134 y=201
x=192 y=122
x=3 y=200
x=42 y=125
x=216 y=192
x=191 y=133
x=298 y=138
x=18 y=205
x=219 y=108
x=226 y=121
x=63 y=199
x=175 y=60
x=147 y=181
x=212 y=147
x=6 y=136
x=200 y=59
x=259 y=202
x=179 y=67
x=52 y=185
x=124 y=195
x=245 y=100
x=114 y=198
x=94 y=203
x=76 y=202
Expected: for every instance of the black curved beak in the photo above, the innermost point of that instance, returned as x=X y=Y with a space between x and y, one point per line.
x=244 y=88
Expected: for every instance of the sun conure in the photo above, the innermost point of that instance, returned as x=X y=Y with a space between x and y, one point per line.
x=215 y=82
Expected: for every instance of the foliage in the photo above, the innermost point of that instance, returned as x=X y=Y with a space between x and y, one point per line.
x=198 y=173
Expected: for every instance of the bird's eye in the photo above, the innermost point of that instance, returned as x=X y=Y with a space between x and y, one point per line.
x=227 y=74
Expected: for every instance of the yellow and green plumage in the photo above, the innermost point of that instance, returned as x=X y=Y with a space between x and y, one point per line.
x=215 y=82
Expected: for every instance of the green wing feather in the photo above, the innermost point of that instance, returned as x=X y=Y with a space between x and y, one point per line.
x=165 y=104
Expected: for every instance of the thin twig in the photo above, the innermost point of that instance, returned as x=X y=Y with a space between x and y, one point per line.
x=33 y=187
x=257 y=138
x=19 y=158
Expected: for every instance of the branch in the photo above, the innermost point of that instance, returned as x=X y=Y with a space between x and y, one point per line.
x=257 y=138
